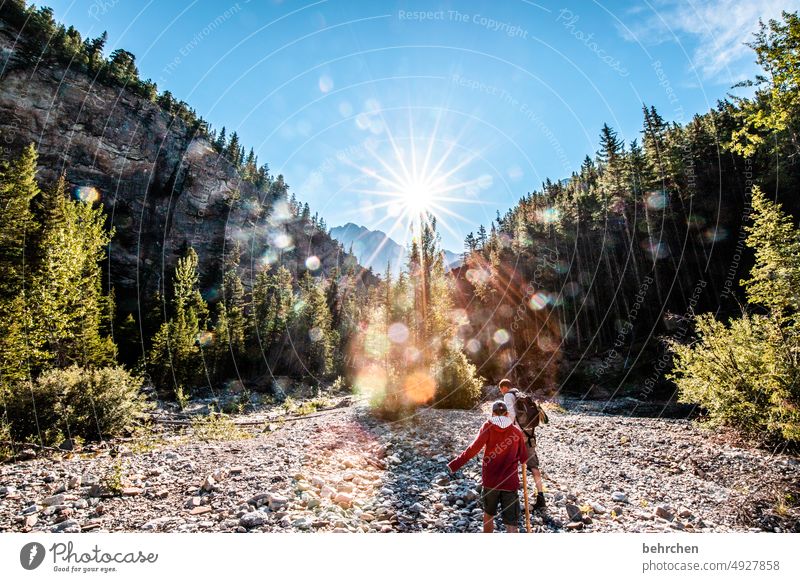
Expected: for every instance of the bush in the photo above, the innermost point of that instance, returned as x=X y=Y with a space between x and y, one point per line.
x=745 y=375
x=217 y=426
x=76 y=402
x=457 y=382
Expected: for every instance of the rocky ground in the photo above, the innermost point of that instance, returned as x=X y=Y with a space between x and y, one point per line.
x=342 y=470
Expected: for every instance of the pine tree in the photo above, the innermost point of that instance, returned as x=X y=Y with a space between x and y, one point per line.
x=312 y=328
x=273 y=299
x=18 y=188
x=176 y=360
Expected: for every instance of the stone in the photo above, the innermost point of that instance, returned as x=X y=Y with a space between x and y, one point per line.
x=132 y=491
x=31 y=520
x=66 y=526
x=574 y=525
x=619 y=497
x=597 y=507
x=259 y=499
x=327 y=491
x=345 y=486
x=252 y=519
x=200 y=510
x=664 y=512
x=343 y=499
x=31 y=509
x=277 y=502
x=54 y=500
x=574 y=512
x=209 y=484
x=416 y=508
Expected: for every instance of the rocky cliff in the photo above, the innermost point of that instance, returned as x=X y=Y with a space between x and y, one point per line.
x=163 y=186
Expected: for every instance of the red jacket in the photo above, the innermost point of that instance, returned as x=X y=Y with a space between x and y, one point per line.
x=502 y=448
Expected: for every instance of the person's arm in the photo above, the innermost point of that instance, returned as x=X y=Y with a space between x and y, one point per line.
x=471 y=451
x=511 y=402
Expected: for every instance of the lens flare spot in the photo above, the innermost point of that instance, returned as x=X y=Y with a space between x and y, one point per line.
x=477 y=276
x=371 y=381
x=572 y=289
x=473 y=346
x=657 y=200
x=712 y=235
x=548 y=215
x=419 y=387
x=501 y=337
x=313 y=263
x=268 y=259
x=204 y=339
x=657 y=250
x=539 y=300
x=398 y=333
x=315 y=334
x=87 y=194
x=412 y=355
x=325 y=83
x=282 y=241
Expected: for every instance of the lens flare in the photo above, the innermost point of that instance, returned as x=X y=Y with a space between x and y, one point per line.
x=539 y=300
x=315 y=334
x=313 y=263
x=419 y=387
x=87 y=194
x=501 y=337
x=657 y=200
x=398 y=333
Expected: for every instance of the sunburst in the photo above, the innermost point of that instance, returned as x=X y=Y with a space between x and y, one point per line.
x=416 y=187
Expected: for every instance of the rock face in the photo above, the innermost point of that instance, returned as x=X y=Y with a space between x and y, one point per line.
x=163 y=187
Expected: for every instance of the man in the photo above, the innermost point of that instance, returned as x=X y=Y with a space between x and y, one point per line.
x=510 y=400
x=503 y=451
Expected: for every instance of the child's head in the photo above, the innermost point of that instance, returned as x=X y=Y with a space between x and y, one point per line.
x=504 y=385
x=499 y=409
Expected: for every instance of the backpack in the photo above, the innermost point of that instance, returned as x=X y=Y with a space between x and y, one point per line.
x=529 y=413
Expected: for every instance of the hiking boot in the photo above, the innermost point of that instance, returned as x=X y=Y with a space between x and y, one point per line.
x=540 y=504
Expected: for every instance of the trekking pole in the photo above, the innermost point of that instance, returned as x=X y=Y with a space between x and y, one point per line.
x=525 y=495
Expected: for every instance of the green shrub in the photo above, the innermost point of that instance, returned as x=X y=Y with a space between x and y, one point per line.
x=217 y=426
x=744 y=374
x=76 y=402
x=457 y=382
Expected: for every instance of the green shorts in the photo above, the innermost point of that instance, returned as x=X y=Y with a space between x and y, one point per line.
x=507 y=500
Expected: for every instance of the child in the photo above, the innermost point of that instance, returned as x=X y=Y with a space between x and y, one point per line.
x=510 y=399
x=503 y=451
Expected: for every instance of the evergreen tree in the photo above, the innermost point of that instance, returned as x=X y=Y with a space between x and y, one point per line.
x=18 y=188
x=71 y=310
x=176 y=360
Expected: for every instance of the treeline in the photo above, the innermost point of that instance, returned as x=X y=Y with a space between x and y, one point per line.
x=408 y=352
x=60 y=353
x=59 y=379
x=578 y=284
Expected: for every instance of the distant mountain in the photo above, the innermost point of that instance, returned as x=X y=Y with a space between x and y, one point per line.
x=373 y=248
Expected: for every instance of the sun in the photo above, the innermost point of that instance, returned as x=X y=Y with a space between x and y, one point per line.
x=416 y=197
x=417 y=181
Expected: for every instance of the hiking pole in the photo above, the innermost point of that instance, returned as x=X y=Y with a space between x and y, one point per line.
x=525 y=495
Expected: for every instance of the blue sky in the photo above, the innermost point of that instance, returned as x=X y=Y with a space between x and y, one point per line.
x=479 y=100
